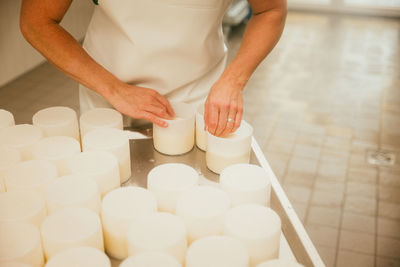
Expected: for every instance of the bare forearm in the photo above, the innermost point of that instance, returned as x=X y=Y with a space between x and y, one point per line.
x=61 y=49
x=262 y=33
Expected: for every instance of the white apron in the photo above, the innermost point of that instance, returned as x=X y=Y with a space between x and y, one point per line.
x=173 y=46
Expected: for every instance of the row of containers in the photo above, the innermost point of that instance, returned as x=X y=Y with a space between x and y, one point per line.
x=63 y=207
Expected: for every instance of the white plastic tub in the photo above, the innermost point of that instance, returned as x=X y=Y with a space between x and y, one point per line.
x=57 y=121
x=30 y=175
x=22 y=206
x=22 y=137
x=74 y=190
x=232 y=149
x=20 y=242
x=246 y=183
x=58 y=150
x=178 y=137
x=100 y=118
x=119 y=209
x=79 y=257
x=217 y=251
x=160 y=232
x=101 y=166
x=6 y=119
x=168 y=181
x=258 y=227
x=113 y=141
x=203 y=209
x=71 y=227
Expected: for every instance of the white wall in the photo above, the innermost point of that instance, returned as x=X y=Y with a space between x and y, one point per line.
x=16 y=55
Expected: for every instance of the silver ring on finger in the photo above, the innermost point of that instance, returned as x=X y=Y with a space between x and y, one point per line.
x=230 y=120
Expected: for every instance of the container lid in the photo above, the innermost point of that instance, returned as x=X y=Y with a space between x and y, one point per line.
x=53 y=116
x=252 y=221
x=20 y=205
x=17 y=239
x=150 y=259
x=172 y=176
x=203 y=201
x=20 y=135
x=56 y=147
x=79 y=256
x=217 y=251
x=30 y=174
x=129 y=202
x=6 y=119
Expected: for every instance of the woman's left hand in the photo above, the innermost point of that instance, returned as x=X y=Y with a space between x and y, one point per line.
x=224 y=107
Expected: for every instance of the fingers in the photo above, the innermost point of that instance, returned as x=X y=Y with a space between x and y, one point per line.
x=230 y=124
x=167 y=105
x=159 y=111
x=206 y=112
x=239 y=114
x=222 y=119
x=153 y=118
x=213 y=117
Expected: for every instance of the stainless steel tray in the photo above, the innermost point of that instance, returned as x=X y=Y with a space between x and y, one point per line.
x=295 y=241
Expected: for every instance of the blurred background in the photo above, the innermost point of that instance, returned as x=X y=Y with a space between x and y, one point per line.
x=325 y=106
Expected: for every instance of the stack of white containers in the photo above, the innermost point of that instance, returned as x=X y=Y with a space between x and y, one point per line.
x=77 y=218
x=41 y=213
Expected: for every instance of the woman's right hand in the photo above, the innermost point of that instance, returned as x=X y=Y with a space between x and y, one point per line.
x=141 y=103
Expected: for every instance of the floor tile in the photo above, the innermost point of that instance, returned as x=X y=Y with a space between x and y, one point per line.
x=324 y=216
x=361 y=189
x=361 y=205
x=353 y=259
x=328 y=199
x=357 y=242
x=387 y=262
x=389 y=210
x=322 y=235
x=388 y=247
x=389 y=228
x=328 y=255
x=358 y=222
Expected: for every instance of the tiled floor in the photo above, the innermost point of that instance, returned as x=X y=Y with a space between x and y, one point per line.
x=327 y=94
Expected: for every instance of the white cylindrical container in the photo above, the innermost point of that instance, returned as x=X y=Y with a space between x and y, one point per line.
x=20 y=242
x=58 y=150
x=201 y=134
x=22 y=206
x=71 y=227
x=246 y=183
x=30 y=175
x=79 y=257
x=178 y=137
x=15 y=264
x=217 y=251
x=57 y=121
x=101 y=166
x=74 y=190
x=232 y=149
x=168 y=181
x=6 y=119
x=114 y=141
x=150 y=259
x=100 y=118
x=280 y=263
x=158 y=232
x=258 y=227
x=22 y=137
x=8 y=158
x=119 y=209
x=203 y=209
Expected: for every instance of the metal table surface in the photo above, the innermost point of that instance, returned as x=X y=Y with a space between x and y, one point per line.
x=295 y=241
